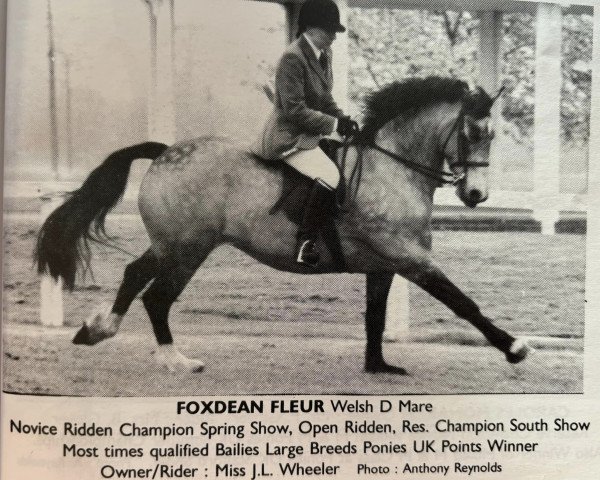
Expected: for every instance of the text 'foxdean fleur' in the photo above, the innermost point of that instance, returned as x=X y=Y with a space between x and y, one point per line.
x=210 y=407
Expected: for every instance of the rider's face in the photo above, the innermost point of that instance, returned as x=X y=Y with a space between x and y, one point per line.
x=321 y=38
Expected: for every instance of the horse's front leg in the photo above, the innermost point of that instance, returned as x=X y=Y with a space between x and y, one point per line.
x=431 y=279
x=378 y=287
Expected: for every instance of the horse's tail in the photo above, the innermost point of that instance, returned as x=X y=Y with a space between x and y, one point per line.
x=63 y=241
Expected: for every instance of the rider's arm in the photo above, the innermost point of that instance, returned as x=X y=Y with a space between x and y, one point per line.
x=289 y=83
x=331 y=107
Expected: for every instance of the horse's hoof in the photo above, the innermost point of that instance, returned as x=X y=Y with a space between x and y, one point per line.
x=87 y=336
x=174 y=361
x=186 y=366
x=91 y=334
x=382 y=367
x=82 y=337
x=102 y=324
x=196 y=366
x=518 y=351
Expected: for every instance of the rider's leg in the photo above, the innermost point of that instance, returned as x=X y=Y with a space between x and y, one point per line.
x=315 y=164
x=320 y=203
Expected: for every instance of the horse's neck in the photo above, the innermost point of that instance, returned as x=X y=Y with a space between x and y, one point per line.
x=417 y=138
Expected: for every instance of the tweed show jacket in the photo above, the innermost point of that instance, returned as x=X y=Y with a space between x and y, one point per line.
x=303 y=106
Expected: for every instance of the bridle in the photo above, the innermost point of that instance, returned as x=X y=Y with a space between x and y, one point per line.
x=451 y=178
x=463 y=150
x=454 y=177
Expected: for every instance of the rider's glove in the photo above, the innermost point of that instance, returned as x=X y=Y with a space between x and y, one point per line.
x=347 y=127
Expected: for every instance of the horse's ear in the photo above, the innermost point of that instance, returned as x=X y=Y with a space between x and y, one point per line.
x=478 y=103
x=500 y=90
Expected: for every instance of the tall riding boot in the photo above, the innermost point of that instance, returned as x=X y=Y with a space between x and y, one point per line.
x=317 y=212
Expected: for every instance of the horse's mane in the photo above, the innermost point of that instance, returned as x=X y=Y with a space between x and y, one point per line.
x=413 y=93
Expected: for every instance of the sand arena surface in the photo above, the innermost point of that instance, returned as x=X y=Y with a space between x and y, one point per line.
x=263 y=331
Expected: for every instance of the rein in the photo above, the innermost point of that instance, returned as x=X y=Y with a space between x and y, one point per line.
x=449 y=178
x=433 y=173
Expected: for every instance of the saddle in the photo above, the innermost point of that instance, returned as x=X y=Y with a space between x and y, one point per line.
x=296 y=188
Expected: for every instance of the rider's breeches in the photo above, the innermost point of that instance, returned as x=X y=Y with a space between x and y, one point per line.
x=315 y=164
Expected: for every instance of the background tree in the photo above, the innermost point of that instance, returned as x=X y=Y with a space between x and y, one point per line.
x=388 y=45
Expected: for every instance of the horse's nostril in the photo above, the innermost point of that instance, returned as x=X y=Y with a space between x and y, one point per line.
x=475 y=195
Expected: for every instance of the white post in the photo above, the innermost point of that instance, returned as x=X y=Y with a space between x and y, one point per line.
x=490 y=51
x=397 y=312
x=341 y=60
x=548 y=79
x=161 y=121
x=490 y=36
x=51 y=298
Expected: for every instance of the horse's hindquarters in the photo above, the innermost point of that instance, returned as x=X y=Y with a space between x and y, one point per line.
x=182 y=196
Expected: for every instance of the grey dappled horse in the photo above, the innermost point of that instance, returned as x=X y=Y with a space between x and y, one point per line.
x=204 y=192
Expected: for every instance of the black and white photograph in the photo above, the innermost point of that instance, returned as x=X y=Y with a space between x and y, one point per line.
x=257 y=197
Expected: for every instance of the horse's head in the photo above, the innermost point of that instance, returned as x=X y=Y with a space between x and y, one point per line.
x=467 y=147
x=460 y=113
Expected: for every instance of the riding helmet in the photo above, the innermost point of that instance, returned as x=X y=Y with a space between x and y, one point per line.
x=320 y=13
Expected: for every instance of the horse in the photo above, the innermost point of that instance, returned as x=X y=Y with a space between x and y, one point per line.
x=201 y=193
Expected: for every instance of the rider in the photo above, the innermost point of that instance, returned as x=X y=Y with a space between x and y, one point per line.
x=305 y=111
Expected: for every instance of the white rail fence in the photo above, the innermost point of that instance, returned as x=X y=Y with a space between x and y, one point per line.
x=51 y=195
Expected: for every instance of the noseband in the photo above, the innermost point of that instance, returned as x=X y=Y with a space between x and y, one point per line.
x=463 y=150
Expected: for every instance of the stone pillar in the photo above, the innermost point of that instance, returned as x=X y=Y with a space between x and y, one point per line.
x=161 y=111
x=548 y=81
x=490 y=55
x=341 y=60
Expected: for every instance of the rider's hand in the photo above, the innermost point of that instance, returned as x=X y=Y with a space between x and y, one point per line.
x=347 y=127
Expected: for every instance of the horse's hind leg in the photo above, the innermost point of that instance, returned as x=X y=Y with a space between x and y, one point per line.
x=431 y=279
x=173 y=277
x=378 y=287
x=105 y=322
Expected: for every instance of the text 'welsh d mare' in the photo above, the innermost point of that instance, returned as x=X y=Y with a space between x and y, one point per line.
x=204 y=192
